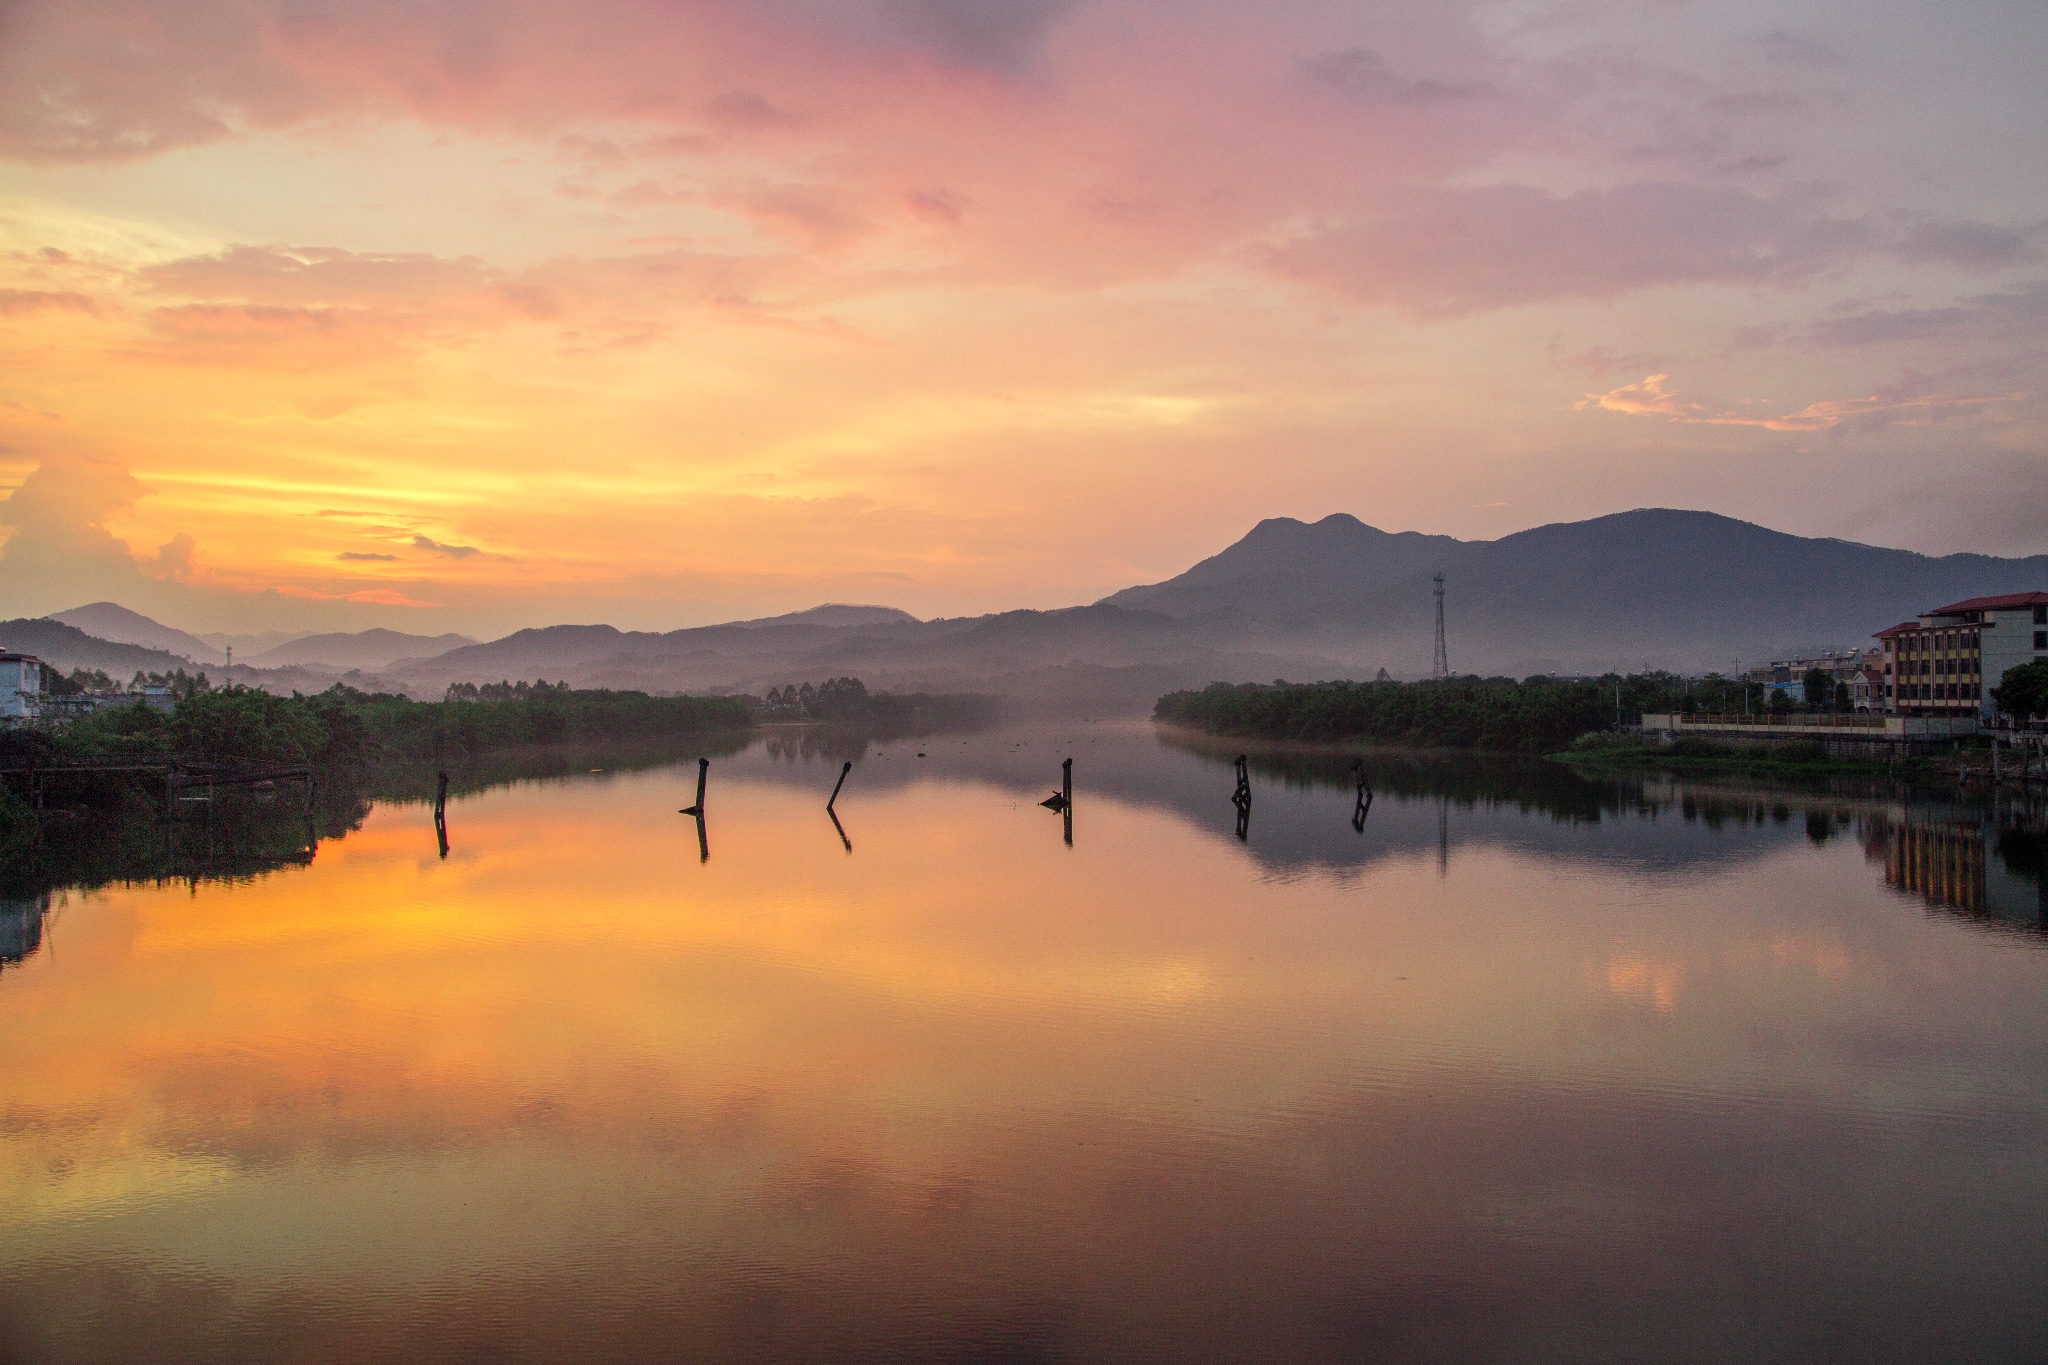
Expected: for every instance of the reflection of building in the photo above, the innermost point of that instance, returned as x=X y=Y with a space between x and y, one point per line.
x=21 y=928
x=21 y=684
x=1947 y=662
x=1956 y=865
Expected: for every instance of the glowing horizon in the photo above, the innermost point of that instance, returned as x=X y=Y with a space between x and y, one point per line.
x=478 y=317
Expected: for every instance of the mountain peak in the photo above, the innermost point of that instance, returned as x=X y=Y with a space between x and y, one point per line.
x=113 y=622
x=1682 y=587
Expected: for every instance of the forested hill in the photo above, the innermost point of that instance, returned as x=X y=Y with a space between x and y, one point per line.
x=67 y=647
x=1673 y=588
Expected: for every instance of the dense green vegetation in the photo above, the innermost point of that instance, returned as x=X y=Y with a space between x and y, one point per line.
x=343 y=726
x=847 y=702
x=2023 y=690
x=1537 y=715
x=108 y=826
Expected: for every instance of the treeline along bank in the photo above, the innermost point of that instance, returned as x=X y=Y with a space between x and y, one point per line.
x=1534 y=715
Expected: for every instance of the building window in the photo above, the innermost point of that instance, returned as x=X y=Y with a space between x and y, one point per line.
x=2041 y=639
x=2041 y=616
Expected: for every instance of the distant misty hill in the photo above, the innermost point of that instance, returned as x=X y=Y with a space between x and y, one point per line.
x=1333 y=599
x=1691 y=590
x=360 y=649
x=114 y=623
x=1083 y=658
x=66 y=647
x=837 y=614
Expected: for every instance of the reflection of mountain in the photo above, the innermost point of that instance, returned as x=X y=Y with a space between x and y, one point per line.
x=1966 y=865
x=1424 y=806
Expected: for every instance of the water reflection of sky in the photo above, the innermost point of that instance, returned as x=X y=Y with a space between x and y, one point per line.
x=1599 y=1085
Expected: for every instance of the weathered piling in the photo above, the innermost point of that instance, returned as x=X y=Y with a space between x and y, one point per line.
x=441 y=812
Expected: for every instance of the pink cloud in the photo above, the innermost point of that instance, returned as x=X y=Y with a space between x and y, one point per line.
x=22 y=302
x=1444 y=252
x=1097 y=141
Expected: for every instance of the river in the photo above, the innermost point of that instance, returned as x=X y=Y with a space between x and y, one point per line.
x=1522 y=1067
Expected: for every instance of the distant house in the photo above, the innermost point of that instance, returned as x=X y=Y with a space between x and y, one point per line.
x=21 y=685
x=1947 y=662
x=1867 y=692
x=1789 y=675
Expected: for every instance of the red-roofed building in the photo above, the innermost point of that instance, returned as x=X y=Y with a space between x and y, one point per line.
x=1947 y=662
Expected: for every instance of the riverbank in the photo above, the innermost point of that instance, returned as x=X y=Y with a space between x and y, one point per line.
x=1608 y=755
x=1618 y=753
x=1570 y=722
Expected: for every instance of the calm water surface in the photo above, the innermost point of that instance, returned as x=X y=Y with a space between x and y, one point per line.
x=1528 y=1069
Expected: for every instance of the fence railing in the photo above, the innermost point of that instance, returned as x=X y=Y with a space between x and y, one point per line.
x=1796 y=720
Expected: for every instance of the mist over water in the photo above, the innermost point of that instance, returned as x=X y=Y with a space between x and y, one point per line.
x=1530 y=1067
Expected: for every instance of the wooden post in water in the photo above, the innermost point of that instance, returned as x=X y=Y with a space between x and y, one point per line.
x=1242 y=798
x=703 y=771
x=703 y=839
x=1067 y=800
x=844 y=769
x=441 y=813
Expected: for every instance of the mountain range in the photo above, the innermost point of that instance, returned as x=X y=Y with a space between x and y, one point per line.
x=114 y=623
x=1692 y=591
x=369 y=649
x=1686 y=590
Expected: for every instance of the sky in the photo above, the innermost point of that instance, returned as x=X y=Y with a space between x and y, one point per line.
x=454 y=315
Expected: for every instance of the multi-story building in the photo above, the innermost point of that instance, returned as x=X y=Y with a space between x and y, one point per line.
x=21 y=684
x=1789 y=675
x=1947 y=662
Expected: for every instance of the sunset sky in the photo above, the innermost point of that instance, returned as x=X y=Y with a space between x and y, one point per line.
x=444 y=314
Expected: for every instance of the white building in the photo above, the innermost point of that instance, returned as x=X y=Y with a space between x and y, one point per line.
x=21 y=685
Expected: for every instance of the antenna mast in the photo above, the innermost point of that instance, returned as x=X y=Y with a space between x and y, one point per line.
x=1441 y=669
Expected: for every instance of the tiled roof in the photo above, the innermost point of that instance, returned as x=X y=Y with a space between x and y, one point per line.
x=2011 y=599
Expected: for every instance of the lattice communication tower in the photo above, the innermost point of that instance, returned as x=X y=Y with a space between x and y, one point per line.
x=1441 y=669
